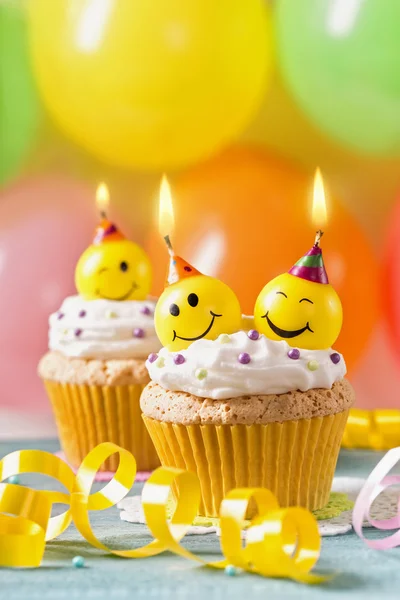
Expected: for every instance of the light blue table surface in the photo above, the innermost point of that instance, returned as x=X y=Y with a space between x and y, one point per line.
x=362 y=573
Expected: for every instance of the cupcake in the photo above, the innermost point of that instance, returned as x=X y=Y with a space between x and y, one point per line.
x=248 y=411
x=265 y=407
x=95 y=369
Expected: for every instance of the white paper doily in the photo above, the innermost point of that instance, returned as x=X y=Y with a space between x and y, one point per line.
x=384 y=507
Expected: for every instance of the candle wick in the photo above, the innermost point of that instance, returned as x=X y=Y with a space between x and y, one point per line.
x=318 y=237
x=103 y=214
x=169 y=245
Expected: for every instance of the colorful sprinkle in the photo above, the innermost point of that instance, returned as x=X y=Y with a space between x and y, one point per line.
x=152 y=357
x=14 y=479
x=111 y=314
x=78 y=332
x=294 y=354
x=188 y=269
x=224 y=338
x=160 y=362
x=65 y=332
x=313 y=365
x=145 y=310
x=201 y=374
x=60 y=316
x=82 y=313
x=138 y=332
x=231 y=571
x=78 y=562
x=253 y=334
x=179 y=359
x=244 y=358
x=335 y=358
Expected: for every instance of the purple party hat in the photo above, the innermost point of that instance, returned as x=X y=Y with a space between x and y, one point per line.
x=311 y=266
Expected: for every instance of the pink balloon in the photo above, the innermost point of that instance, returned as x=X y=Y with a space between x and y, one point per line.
x=45 y=224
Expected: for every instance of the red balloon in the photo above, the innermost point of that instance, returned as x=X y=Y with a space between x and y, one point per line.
x=391 y=280
x=45 y=224
x=244 y=217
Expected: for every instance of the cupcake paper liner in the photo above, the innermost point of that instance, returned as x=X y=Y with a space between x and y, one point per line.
x=296 y=460
x=88 y=415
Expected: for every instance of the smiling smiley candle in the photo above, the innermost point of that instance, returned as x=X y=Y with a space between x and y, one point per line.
x=301 y=306
x=113 y=267
x=193 y=306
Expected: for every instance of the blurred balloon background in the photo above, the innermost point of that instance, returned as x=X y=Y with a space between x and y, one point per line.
x=238 y=102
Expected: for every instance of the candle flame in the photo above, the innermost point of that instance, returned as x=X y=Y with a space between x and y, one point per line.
x=166 y=219
x=102 y=198
x=319 y=216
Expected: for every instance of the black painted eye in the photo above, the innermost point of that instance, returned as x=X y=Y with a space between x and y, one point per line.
x=174 y=310
x=193 y=299
x=123 y=266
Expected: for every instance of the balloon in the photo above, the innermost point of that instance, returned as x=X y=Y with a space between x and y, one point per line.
x=245 y=217
x=19 y=110
x=151 y=84
x=391 y=280
x=340 y=59
x=45 y=224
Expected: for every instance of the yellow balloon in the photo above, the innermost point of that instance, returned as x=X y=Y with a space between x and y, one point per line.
x=117 y=270
x=195 y=308
x=303 y=313
x=152 y=84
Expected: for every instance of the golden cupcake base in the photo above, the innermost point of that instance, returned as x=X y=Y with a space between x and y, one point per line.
x=87 y=415
x=296 y=460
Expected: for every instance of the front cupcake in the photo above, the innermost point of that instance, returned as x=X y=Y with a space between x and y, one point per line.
x=245 y=410
x=95 y=369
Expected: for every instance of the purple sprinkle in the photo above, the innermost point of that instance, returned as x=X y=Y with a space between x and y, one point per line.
x=138 y=332
x=335 y=358
x=152 y=357
x=60 y=316
x=253 y=334
x=78 y=332
x=244 y=358
x=82 y=313
x=188 y=269
x=145 y=310
x=294 y=354
x=179 y=359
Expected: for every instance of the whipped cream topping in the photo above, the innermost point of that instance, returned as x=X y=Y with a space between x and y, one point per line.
x=244 y=363
x=104 y=329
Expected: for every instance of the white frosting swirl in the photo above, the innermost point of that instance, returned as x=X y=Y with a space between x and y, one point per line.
x=270 y=370
x=104 y=329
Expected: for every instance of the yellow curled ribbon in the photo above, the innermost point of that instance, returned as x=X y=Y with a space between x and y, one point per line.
x=372 y=429
x=280 y=542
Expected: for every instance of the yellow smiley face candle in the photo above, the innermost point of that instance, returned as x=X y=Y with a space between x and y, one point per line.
x=113 y=267
x=300 y=306
x=193 y=306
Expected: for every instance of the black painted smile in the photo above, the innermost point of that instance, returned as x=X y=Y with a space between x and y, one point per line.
x=193 y=339
x=133 y=288
x=284 y=333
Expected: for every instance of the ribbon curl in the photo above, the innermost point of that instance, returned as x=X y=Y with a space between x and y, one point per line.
x=280 y=542
x=376 y=483
x=372 y=429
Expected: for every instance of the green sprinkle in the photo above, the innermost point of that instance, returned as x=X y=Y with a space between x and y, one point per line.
x=111 y=314
x=313 y=365
x=160 y=362
x=201 y=374
x=224 y=338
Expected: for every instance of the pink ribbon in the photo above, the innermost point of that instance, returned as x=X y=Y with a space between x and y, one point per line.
x=378 y=481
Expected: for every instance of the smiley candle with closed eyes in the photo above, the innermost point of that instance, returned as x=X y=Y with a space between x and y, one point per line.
x=301 y=307
x=194 y=306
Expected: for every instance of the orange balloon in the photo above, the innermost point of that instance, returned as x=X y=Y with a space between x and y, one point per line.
x=245 y=217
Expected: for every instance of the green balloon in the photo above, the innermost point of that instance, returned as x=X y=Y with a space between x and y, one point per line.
x=341 y=61
x=19 y=107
